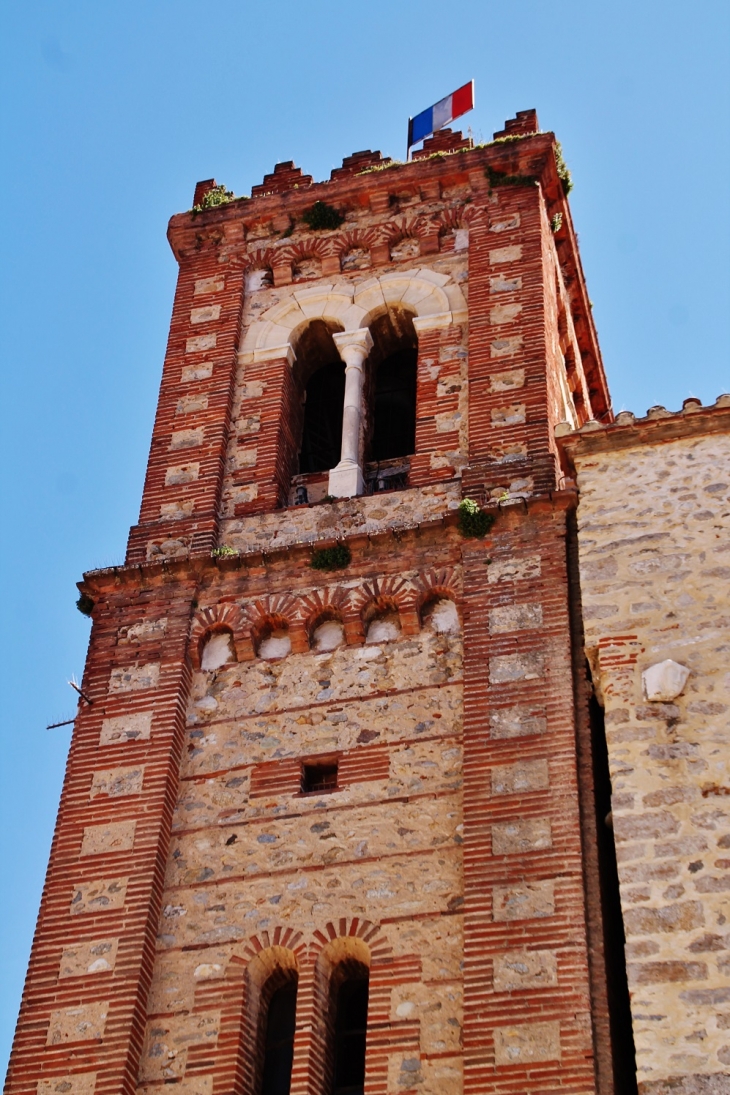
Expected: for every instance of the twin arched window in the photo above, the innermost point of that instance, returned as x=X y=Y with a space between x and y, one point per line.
x=390 y=393
x=343 y=1028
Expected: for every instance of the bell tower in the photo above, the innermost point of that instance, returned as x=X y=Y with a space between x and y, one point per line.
x=328 y=824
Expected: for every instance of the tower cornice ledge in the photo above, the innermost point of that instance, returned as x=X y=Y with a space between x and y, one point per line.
x=197 y=564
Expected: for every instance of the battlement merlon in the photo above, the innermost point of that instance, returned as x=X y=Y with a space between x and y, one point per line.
x=514 y=154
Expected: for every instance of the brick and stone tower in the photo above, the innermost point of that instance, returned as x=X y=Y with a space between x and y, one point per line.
x=328 y=823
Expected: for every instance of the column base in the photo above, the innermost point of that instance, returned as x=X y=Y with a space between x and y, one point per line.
x=346 y=481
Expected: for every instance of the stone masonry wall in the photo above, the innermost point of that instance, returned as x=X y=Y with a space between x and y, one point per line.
x=254 y=862
x=654 y=542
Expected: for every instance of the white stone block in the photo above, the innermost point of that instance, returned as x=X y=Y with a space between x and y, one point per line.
x=199 y=343
x=504 y=313
x=664 y=681
x=206 y=314
x=346 y=481
x=190 y=404
x=426 y=274
x=80 y=1024
x=217 y=651
x=507 y=224
x=506 y=254
x=181 y=473
x=187 y=439
x=78 y=1083
x=432 y=322
x=209 y=285
x=196 y=372
x=121 y=728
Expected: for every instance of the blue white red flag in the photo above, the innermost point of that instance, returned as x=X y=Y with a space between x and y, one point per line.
x=440 y=114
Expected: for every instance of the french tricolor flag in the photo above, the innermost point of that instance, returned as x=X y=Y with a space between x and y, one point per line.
x=440 y=114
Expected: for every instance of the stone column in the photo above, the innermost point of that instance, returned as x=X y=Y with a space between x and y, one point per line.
x=346 y=479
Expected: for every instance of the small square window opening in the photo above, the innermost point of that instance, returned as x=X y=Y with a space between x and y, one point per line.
x=318 y=778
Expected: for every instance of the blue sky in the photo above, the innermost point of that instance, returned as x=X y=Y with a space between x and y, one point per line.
x=111 y=112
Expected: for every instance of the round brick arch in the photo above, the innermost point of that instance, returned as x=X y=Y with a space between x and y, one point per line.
x=434 y=300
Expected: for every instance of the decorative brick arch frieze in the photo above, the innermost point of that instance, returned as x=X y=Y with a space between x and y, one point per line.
x=365 y=238
x=261 y=260
x=449 y=220
x=401 y=228
x=301 y=614
x=217 y=618
x=435 y=300
x=352 y=927
x=287 y=938
x=310 y=246
x=330 y=603
x=380 y=594
x=271 y=612
x=443 y=582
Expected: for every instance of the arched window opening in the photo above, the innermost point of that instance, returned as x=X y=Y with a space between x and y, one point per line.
x=350 y=1009
x=279 y=1040
x=269 y=1021
x=393 y=366
x=441 y=615
x=217 y=649
x=321 y=373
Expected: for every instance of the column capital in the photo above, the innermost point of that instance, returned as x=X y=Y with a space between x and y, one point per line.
x=354 y=346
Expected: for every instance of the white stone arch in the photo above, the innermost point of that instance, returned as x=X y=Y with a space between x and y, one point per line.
x=436 y=300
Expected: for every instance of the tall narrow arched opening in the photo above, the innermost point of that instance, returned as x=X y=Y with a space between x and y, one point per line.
x=277 y=1038
x=320 y=372
x=349 y=1003
x=339 y=1045
x=266 y=1051
x=391 y=429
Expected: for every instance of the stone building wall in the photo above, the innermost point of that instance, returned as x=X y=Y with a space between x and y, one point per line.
x=654 y=546
x=253 y=860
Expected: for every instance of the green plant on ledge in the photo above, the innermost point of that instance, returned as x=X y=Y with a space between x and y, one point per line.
x=474 y=522
x=322 y=216
x=556 y=222
x=85 y=604
x=500 y=178
x=563 y=173
x=217 y=195
x=224 y=549
x=333 y=558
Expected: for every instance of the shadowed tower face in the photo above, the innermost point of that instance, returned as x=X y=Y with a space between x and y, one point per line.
x=329 y=827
